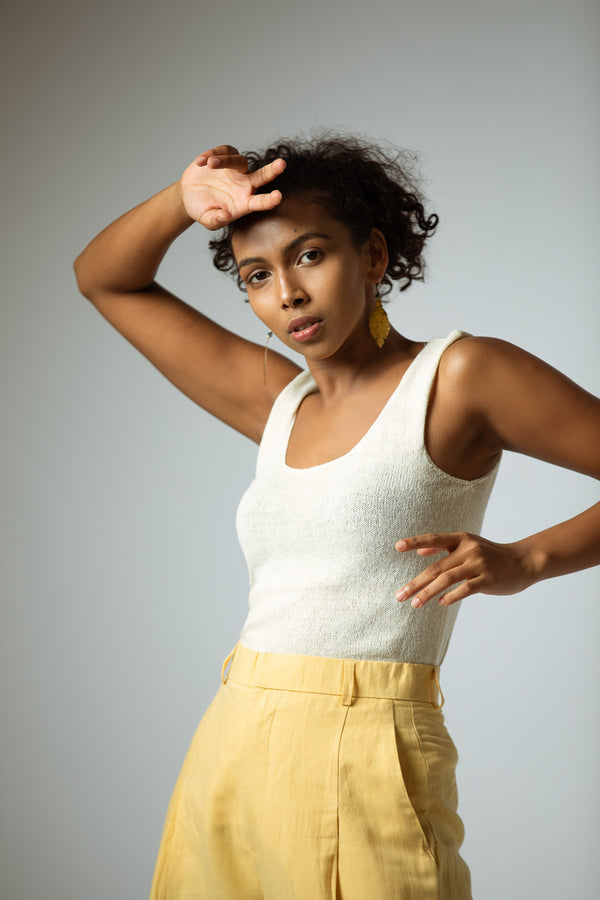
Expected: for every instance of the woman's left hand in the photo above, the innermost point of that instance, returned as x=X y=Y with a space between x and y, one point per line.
x=475 y=565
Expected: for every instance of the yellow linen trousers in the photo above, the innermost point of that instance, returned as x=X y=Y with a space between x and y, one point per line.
x=312 y=778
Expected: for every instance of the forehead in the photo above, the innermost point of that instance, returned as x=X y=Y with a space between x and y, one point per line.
x=271 y=231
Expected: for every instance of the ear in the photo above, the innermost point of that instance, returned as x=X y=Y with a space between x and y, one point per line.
x=378 y=255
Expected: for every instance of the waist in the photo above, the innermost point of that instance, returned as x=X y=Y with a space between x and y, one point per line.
x=348 y=678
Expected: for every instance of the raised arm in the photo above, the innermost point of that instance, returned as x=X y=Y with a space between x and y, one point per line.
x=217 y=369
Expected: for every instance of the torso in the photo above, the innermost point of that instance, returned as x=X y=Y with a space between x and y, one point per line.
x=456 y=438
x=320 y=536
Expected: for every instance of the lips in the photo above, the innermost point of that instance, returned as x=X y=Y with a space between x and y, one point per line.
x=304 y=328
x=302 y=322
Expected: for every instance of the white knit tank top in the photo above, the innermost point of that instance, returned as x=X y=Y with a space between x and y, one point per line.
x=319 y=542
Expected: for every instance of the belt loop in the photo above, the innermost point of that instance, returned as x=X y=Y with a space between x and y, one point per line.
x=225 y=676
x=347 y=694
x=437 y=682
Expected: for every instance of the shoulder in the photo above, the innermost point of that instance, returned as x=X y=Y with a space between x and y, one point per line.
x=473 y=352
x=473 y=364
x=484 y=382
x=458 y=436
x=486 y=395
x=520 y=402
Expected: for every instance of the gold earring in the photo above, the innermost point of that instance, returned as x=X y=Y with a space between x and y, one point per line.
x=379 y=324
x=269 y=336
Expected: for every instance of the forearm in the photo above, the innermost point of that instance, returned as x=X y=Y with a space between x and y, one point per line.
x=125 y=256
x=564 y=548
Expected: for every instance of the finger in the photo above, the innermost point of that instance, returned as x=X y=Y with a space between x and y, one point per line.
x=431 y=551
x=223 y=151
x=435 y=579
x=465 y=589
x=434 y=541
x=465 y=586
x=261 y=202
x=239 y=163
x=216 y=218
x=267 y=173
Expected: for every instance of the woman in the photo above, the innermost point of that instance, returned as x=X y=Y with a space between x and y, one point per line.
x=323 y=769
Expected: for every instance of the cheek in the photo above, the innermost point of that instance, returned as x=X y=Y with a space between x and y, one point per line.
x=260 y=308
x=349 y=275
x=334 y=281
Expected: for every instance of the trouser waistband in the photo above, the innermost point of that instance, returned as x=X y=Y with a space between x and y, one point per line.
x=347 y=678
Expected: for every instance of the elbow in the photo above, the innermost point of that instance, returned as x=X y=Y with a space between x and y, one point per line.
x=78 y=270
x=83 y=282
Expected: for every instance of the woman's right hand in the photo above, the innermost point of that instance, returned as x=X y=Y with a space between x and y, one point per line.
x=217 y=188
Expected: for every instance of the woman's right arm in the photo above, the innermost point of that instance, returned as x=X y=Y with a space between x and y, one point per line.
x=217 y=369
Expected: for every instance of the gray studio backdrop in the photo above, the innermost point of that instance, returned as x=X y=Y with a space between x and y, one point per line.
x=123 y=586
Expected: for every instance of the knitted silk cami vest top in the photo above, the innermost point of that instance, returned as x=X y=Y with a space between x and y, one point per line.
x=319 y=542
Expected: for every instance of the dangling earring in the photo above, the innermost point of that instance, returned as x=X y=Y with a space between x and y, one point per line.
x=379 y=324
x=269 y=336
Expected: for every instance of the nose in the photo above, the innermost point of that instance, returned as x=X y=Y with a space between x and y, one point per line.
x=291 y=294
x=295 y=303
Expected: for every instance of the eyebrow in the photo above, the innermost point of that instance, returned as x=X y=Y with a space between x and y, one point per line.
x=252 y=260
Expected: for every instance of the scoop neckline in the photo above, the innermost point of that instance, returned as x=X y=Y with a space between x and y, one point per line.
x=361 y=440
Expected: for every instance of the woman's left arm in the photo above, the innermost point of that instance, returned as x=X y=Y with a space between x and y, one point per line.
x=515 y=402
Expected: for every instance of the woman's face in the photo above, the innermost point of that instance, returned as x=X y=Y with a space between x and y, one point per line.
x=306 y=279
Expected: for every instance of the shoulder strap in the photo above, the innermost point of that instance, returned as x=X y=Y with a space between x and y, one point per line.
x=403 y=422
x=275 y=437
x=418 y=382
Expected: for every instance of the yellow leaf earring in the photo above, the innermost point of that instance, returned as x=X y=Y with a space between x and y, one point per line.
x=379 y=324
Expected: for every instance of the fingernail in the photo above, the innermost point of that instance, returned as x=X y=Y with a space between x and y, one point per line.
x=402 y=595
x=416 y=602
x=401 y=545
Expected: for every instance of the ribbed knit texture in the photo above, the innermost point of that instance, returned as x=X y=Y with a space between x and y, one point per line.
x=319 y=542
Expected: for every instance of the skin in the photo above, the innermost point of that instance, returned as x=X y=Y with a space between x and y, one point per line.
x=296 y=260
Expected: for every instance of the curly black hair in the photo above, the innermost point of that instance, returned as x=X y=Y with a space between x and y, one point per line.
x=360 y=185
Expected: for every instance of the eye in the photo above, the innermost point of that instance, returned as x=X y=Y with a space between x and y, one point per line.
x=310 y=256
x=256 y=277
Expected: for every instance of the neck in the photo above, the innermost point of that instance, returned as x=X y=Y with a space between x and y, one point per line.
x=357 y=364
